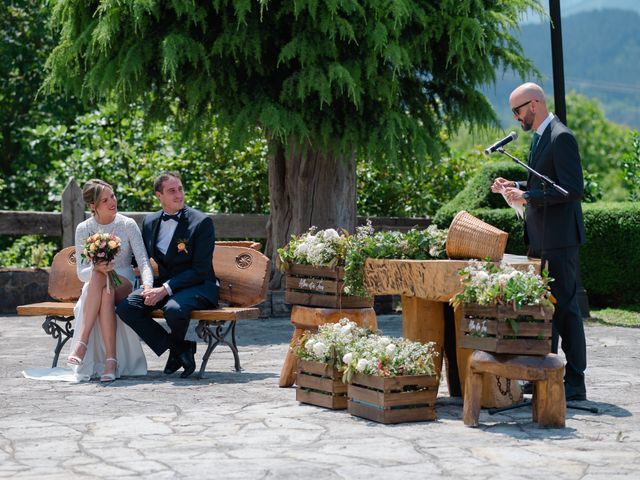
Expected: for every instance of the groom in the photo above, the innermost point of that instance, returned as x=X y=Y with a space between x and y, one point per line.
x=181 y=241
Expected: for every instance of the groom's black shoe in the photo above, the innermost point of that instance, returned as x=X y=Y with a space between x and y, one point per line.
x=173 y=363
x=187 y=358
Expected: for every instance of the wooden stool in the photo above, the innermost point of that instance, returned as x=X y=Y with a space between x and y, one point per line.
x=310 y=318
x=546 y=373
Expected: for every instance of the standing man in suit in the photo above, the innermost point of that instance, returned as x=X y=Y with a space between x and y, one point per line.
x=554 y=232
x=181 y=240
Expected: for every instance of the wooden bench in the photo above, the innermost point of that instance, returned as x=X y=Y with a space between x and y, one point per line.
x=243 y=273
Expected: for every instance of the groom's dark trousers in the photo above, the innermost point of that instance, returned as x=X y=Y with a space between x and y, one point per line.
x=187 y=268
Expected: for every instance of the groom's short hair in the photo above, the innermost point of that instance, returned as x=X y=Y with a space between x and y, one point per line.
x=163 y=177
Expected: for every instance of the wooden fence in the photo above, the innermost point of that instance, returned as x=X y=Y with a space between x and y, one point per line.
x=228 y=226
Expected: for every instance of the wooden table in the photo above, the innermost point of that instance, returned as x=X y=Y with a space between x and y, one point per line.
x=426 y=286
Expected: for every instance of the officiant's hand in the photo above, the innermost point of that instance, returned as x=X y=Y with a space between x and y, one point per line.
x=153 y=295
x=515 y=196
x=500 y=183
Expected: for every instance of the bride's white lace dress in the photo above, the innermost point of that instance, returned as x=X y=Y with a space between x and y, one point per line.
x=129 y=353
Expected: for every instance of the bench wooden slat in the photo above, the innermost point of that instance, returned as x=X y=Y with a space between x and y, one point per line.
x=47 y=308
x=220 y=314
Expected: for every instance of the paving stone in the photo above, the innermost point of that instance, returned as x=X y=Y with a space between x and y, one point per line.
x=242 y=425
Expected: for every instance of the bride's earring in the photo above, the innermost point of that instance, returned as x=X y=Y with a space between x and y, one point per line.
x=75 y=358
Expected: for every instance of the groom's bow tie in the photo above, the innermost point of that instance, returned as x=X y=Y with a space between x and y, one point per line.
x=166 y=216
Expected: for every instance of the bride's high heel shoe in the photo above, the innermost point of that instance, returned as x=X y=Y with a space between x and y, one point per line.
x=74 y=358
x=109 y=377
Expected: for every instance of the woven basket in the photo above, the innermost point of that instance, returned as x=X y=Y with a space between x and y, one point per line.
x=470 y=237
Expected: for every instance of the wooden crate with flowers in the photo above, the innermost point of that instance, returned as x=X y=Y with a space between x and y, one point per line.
x=505 y=310
x=391 y=380
x=315 y=274
x=319 y=377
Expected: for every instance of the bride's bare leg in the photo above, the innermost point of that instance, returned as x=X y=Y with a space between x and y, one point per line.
x=107 y=319
x=90 y=309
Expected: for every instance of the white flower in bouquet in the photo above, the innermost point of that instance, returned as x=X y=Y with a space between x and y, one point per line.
x=348 y=358
x=301 y=250
x=346 y=329
x=390 y=349
x=329 y=234
x=320 y=349
x=362 y=365
x=309 y=345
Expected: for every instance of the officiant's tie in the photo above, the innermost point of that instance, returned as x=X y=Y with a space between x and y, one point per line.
x=534 y=144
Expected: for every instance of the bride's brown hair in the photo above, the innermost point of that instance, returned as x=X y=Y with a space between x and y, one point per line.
x=91 y=192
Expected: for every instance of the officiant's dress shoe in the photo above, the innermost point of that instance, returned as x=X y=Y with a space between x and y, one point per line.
x=575 y=394
x=187 y=359
x=173 y=363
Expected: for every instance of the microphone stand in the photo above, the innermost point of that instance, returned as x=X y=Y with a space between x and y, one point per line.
x=545 y=182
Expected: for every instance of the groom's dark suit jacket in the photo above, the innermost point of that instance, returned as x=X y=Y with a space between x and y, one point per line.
x=191 y=267
x=557 y=157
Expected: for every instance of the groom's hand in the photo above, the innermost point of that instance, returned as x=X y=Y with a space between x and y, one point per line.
x=153 y=295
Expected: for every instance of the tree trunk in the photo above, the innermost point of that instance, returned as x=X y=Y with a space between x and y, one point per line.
x=307 y=188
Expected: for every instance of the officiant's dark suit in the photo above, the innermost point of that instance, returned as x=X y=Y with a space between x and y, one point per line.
x=183 y=251
x=554 y=233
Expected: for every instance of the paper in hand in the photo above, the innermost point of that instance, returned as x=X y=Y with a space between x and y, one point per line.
x=518 y=208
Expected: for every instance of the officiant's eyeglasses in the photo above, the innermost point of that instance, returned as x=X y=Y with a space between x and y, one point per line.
x=516 y=110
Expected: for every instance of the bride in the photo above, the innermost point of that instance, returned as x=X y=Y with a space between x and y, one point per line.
x=113 y=349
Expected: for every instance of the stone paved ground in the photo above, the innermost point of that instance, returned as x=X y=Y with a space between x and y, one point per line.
x=241 y=425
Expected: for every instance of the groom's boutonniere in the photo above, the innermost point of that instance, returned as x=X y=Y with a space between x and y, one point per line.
x=182 y=246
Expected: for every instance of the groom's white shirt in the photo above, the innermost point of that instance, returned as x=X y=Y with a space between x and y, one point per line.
x=165 y=234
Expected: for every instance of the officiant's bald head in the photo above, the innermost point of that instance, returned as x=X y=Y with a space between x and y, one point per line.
x=528 y=104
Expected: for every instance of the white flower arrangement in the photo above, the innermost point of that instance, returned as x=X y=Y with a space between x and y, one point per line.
x=388 y=357
x=319 y=248
x=485 y=283
x=329 y=345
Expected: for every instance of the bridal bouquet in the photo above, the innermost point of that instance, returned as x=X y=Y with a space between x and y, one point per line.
x=103 y=247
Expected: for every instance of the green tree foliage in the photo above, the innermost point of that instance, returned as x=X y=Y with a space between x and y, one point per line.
x=25 y=42
x=377 y=75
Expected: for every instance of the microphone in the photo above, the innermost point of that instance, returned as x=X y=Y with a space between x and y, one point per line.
x=500 y=143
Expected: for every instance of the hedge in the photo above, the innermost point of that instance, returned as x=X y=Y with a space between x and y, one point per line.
x=610 y=257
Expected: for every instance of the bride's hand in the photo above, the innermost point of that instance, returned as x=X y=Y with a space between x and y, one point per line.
x=103 y=267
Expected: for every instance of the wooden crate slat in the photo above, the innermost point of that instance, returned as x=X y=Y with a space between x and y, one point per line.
x=525 y=329
x=401 y=415
x=390 y=384
x=311 y=285
x=321 y=400
x=329 y=301
x=488 y=344
x=316 y=272
x=523 y=346
x=304 y=380
x=317 y=368
x=466 y=325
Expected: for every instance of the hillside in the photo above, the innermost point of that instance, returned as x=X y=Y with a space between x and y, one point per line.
x=601 y=52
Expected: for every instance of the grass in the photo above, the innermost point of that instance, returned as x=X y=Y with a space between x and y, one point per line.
x=625 y=316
